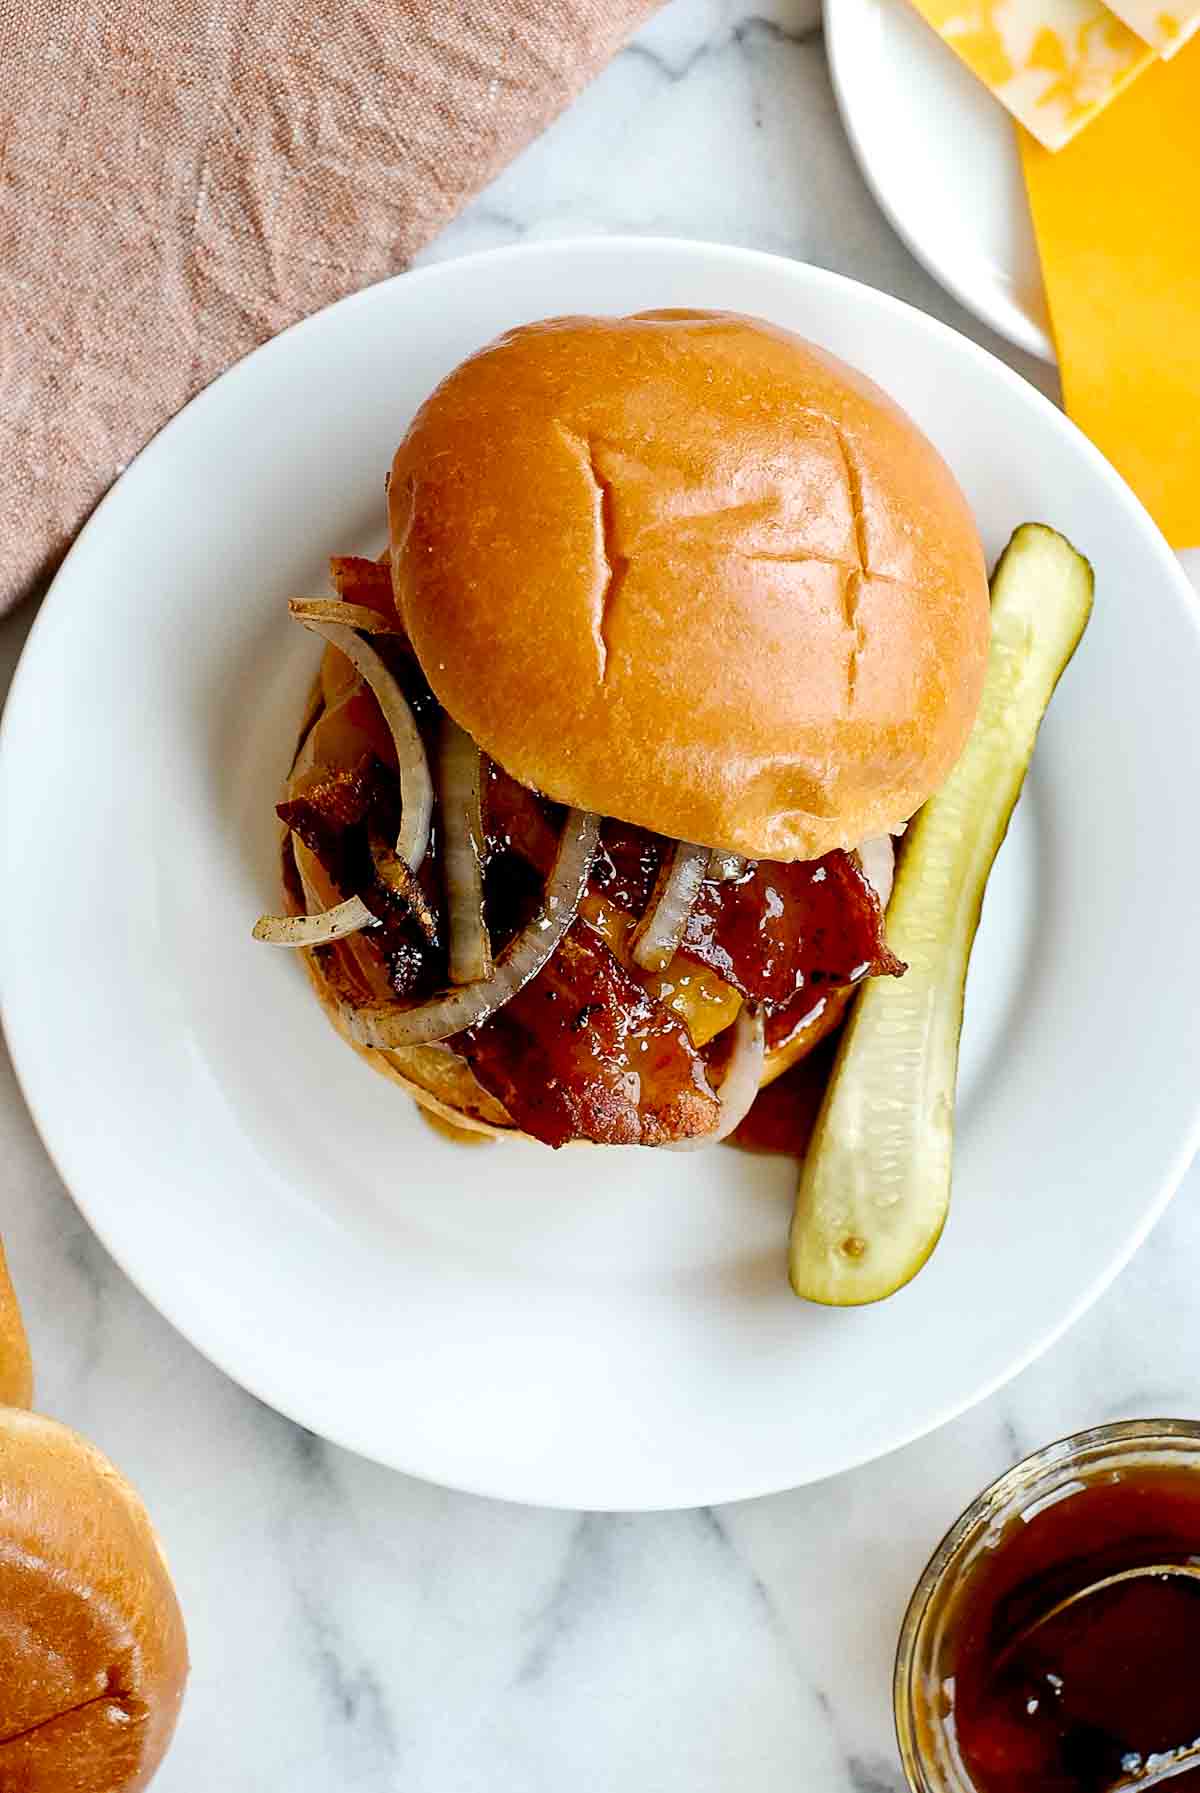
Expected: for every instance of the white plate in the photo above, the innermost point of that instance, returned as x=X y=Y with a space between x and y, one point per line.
x=940 y=155
x=593 y=1329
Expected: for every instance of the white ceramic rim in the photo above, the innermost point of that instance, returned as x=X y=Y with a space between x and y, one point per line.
x=992 y=306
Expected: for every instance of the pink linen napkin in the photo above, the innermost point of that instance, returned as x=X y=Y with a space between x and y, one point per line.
x=180 y=179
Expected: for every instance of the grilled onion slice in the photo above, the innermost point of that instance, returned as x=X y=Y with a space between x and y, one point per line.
x=387 y=1025
x=739 y=1086
x=878 y=860
x=459 y=773
x=350 y=616
x=315 y=930
x=656 y=938
x=416 y=786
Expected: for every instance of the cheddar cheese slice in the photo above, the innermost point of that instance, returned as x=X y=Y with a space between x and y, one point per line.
x=1165 y=27
x=1117 y=217
x=1054 y=63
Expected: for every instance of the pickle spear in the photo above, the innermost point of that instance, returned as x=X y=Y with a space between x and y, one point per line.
x=875 y=1187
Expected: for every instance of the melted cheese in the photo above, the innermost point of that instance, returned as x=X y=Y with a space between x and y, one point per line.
x=704 y=1002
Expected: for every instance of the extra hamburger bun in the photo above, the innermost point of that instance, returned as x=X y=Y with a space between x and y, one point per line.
x=16 y=1370
x=687 y=570
x=93 y=1655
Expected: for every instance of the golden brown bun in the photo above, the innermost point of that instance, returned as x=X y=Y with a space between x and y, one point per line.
x=687 y=570
x=439 y=1082
x=801 y=1044
x=93 y=1655
x=16 y=1370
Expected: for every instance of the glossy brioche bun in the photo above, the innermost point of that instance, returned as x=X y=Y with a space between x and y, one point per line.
x=687 y=570
x=16 y=1370
x=93 y=1655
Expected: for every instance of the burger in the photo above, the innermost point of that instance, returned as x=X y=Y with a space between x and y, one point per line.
x=589 y=832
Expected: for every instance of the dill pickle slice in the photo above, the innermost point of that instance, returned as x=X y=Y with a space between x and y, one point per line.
x=875 y=1187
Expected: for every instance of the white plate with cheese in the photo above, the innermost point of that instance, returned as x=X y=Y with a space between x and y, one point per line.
x=940 y=155
x=605 y=1329
x=933 y=93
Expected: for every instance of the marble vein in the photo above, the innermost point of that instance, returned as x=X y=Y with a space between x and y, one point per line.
x=585 y=1569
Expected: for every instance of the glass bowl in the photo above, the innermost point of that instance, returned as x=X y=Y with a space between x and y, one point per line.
x=924 y=1717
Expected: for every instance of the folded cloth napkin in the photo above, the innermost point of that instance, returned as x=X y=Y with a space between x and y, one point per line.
x=180 y=179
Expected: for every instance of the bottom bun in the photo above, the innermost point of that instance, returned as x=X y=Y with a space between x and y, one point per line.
x=438 y=1081
x=826 y=1021
x=93 y=1655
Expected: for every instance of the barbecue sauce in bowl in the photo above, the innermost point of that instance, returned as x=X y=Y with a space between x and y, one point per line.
x=1001 y=1688
x=1108 y=1688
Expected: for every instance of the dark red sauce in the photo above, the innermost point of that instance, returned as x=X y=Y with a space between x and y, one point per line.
x=1093 y=1693
x=784 y=1114
x=627 y=865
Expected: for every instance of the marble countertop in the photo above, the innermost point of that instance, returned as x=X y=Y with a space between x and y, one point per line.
x=355 y=1630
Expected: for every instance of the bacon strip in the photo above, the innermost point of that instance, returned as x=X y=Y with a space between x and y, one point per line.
x=627 y=866
x=785 y=928
x=325 y=811
x=360 y=581
x=331 y=815
x=583 y=1052
x=517 y=821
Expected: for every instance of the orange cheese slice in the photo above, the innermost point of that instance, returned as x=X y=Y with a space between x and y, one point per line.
x=1117 y=216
